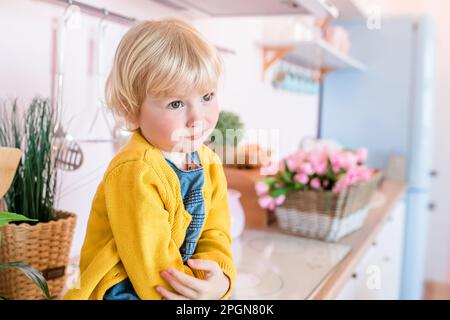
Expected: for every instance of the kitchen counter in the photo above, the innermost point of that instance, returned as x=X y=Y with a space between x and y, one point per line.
x=360 y=241
x=332 y=270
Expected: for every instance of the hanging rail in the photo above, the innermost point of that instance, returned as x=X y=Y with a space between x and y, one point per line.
x=106 y=13
x=97 y=10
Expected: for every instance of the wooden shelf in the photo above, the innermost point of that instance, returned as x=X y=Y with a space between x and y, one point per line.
x=317 y=55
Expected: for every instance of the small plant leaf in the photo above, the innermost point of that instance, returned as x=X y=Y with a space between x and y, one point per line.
x=286 y=167
x=286 y=176
x=299 y=186
x=7 y=217
x=279 y=192
x=31 y=273
x=269 y=180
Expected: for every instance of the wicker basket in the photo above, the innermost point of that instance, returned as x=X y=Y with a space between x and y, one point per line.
x=327 y=215
x=45 y=246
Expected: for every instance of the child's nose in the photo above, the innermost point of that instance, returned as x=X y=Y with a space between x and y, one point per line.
x=195 y=116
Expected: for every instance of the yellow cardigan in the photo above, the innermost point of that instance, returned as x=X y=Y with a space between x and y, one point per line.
x=138 y=223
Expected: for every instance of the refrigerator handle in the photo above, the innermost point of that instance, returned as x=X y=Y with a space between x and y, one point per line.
x=432 y=206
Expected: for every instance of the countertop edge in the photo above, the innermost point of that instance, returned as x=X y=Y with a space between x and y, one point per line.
x=360 y=241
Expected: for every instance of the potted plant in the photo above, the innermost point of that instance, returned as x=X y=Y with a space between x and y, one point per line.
x=320 y=193
x=34 y=275
x=9 y=159
x=45 y=242
x=225 y=141
x=226 y=137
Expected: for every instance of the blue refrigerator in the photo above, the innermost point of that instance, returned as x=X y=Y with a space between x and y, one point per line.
x=388 y=109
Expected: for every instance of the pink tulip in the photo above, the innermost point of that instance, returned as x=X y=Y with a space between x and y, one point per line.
x=261 y=188
x=357 y=174
x=272 y=204
x=270 y=170
x=301 y=178
x=335 y=162
x=336 y=169
x=292 y=162
x=361 y=155
x=320 y=167
x=306 y=168
x=348 y=160
x=315 y=156
x=280 y=200
x=265 y=202
x=315 y=183
x=318 y=161
x=342 y=184
x=363 y=173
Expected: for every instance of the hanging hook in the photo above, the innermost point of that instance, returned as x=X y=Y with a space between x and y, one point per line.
x=72 y=16
x=101 y=105
x=70 y=19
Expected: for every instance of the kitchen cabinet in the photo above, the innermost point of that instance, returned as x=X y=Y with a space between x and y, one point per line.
x=338 y=9
x=378 y=274
x=219 y=8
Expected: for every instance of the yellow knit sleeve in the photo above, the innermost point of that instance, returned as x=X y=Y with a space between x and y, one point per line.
x=215 y=241
x=140 y=227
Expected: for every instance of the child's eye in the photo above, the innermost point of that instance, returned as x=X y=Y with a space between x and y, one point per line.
x=208 y=97
x=175 y=105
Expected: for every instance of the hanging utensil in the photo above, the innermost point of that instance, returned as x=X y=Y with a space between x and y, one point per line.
x=118 y=135
x=101 y=76
x=69 y=156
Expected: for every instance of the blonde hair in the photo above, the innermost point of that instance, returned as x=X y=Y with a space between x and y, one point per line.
x=160 y=59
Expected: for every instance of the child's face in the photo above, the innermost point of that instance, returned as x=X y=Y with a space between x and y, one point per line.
x=179 y=124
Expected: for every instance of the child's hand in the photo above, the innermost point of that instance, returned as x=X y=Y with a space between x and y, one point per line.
x=213 y=287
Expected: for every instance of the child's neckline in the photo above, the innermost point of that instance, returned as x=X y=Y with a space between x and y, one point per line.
x=183 y=161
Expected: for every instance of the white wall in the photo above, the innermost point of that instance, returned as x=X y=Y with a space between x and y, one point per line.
x=246 y=93
x=27 y=52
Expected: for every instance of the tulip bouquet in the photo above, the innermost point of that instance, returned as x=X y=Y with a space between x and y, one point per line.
x=318 y=169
